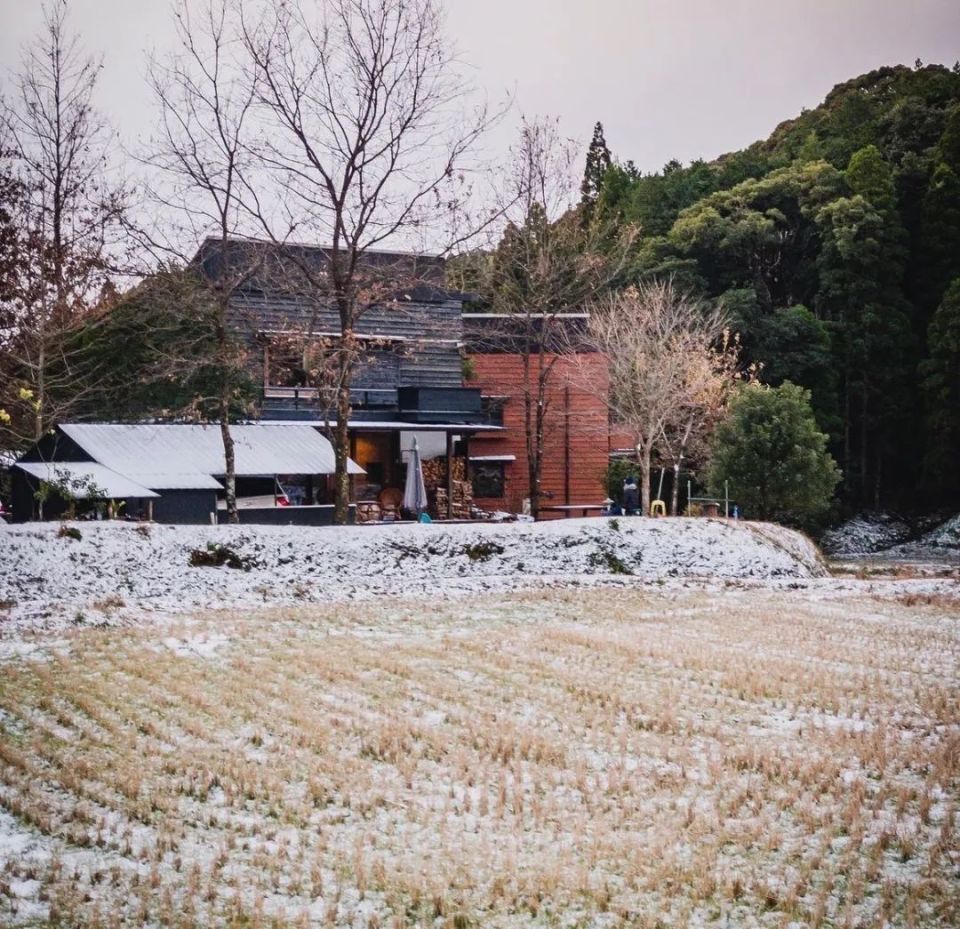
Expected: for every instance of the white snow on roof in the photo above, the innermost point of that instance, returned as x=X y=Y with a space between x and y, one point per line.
x=186 y=480
x=86 y=479
x=168 y=455
x=493 y=457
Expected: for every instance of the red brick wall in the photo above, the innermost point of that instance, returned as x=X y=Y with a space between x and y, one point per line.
x=575 y=437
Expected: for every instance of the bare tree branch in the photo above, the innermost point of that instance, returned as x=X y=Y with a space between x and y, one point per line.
x=66 y=215
x=665 y=374
x=367 y=126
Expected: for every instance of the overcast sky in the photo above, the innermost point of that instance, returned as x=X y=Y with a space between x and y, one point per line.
x=668 y=78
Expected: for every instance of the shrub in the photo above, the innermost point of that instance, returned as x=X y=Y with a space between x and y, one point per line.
x=774 y=456
x=481 y=551
x=216 y=555
x=69 y=532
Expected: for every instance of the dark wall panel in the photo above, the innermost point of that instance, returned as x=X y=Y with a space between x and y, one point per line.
x=184 y=506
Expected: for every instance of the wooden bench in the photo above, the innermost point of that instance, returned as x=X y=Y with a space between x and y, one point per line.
x=572 y=509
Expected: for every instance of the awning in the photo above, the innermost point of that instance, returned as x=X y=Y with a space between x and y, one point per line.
x=86 y=479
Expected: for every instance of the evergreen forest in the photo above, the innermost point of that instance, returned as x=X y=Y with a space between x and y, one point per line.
x=834 y=246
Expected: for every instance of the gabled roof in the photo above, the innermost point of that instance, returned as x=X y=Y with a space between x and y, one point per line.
x=86 y=479
x=189 y=456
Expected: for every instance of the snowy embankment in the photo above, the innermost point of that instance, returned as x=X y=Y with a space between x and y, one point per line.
x=892 y=537
x=114 y=569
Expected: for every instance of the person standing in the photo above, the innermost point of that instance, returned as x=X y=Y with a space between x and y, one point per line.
x=631 y=496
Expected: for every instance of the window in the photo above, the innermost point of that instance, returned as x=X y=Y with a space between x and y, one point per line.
x=488 y=478
x=492 y=409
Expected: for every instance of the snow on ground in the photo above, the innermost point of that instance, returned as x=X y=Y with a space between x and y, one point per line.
x=894 y=539
x=117 y=570
x=760 y=755
x=946 y=536
x=865 y=534
x=585 y=722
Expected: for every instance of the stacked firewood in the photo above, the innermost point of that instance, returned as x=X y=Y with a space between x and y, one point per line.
x=435 y=481
x=435 y=472
x=462 y=501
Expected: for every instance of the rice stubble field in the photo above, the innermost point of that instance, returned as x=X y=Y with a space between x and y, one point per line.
x=646 y=757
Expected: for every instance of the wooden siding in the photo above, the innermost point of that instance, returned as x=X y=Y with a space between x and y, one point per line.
x=575 y=438
x=426 y=336
x=254 y=312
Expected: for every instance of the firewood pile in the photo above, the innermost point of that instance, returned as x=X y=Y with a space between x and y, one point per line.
x=435 y=481
x=462 y=501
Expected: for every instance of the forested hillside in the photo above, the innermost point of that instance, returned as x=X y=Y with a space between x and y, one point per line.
x=835 y=246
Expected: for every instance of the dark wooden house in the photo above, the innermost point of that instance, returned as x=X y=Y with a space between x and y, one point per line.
x=409 y=381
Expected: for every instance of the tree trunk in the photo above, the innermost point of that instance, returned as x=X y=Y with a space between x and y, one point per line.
x=540 y=412
x=847 y=454
x=878 y=474
x=534 y=487
x=229 y=457
x=864 y=447
x=341 y=450
x=529 y=428
x=675 y=490
x=644 y=453
x=40 y=400
x=536 y=460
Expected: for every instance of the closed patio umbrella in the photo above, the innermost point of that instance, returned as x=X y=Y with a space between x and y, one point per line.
x=414 y=492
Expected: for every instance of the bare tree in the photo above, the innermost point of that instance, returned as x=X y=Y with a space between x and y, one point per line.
x=548 y=265
x=66 y=213
x=708 y=374
x=203 y=169
x=369 y=132
x=660 y=346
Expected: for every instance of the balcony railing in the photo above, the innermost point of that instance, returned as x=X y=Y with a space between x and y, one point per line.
x=361 y=398
x=407 y=404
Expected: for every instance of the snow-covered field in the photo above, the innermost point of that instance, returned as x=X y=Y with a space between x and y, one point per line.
x=723 y=736
x=601 y=757
x=119 y=571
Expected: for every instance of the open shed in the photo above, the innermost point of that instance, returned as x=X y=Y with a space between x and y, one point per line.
x=171 y=472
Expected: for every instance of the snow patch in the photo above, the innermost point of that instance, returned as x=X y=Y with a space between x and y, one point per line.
x=199 y=646
x=944 y=536
x=116 y=574
x=866 y=534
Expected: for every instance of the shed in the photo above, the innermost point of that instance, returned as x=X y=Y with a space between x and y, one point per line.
x=179 y=468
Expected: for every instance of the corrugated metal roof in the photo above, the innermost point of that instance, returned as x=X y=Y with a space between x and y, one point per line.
x=86 y=479
x=167 y=455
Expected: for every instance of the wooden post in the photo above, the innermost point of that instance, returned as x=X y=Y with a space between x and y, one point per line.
x=449 y=475
x=149 y=510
